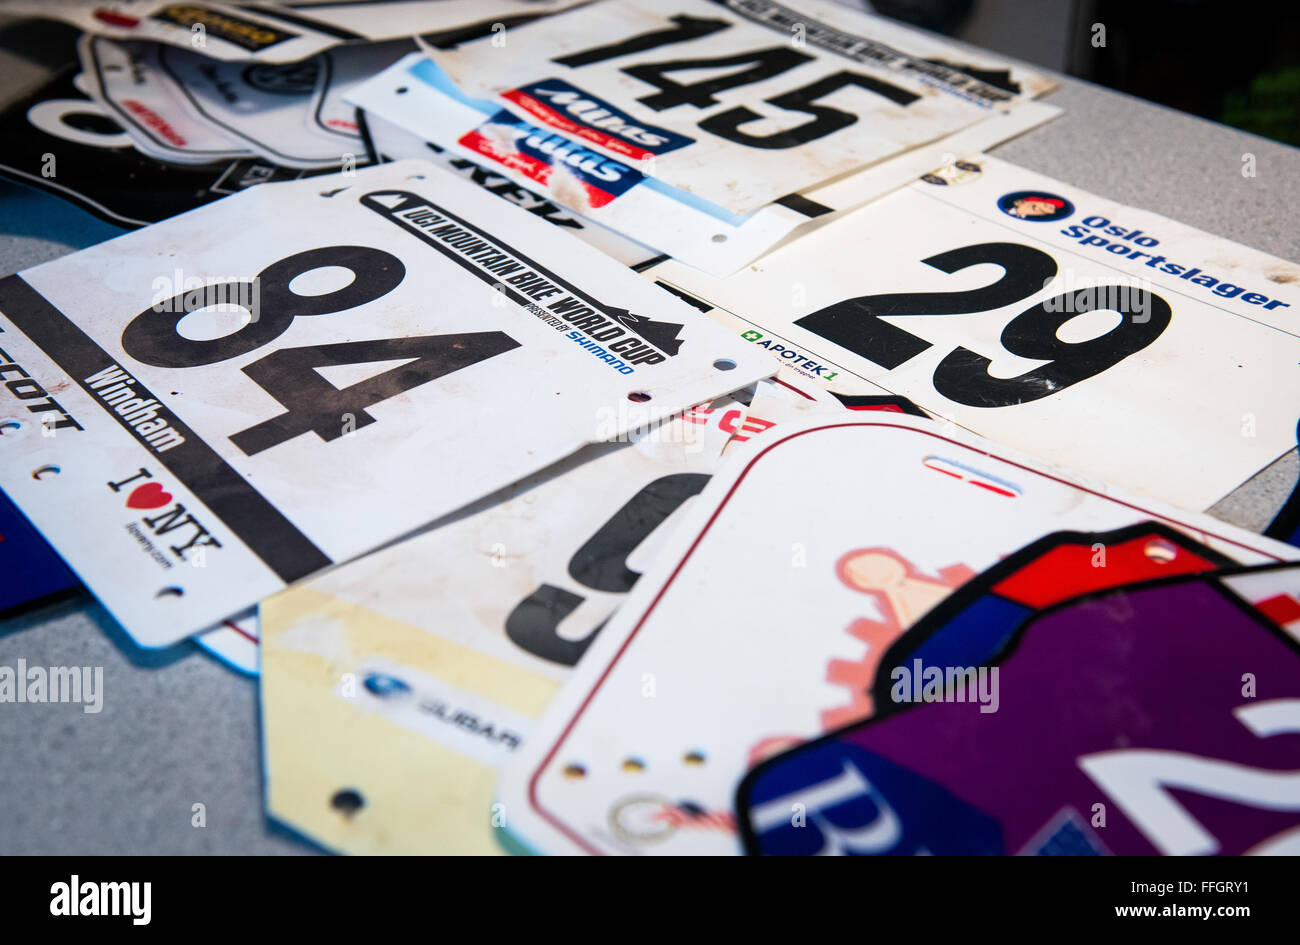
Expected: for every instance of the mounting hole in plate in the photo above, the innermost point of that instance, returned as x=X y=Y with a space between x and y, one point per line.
x=1160 y=551
x=44 y=471
x=693 y=758
x=574 y=772
x=7 y=425
x=172 y=591
x=719 y=237
x=638 y=397
x=724 y=364
x=633 y=766
x=347 y=802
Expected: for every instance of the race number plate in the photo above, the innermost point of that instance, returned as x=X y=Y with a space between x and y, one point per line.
x=849 y=532
x=414 y=344
x=427 y=663
x=414 y=94
x=1087 y=734
x=288 y=32
x=737 y=102
x=1102 y=338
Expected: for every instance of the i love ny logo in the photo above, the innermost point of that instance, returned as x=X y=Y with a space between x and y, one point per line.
x=149 y=495
x=144 y=493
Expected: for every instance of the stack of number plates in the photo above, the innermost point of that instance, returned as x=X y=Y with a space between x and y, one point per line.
x=638 y=427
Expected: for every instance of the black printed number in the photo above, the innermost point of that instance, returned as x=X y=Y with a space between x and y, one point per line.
x=963 y=376
x=151 y=336
x=600 y=564
x=761 y=64
x=826 y=120
x=684 y=28
x=314 y=404
x=311 y=403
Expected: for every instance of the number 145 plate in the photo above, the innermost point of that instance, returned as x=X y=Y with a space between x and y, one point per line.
x=203 y=411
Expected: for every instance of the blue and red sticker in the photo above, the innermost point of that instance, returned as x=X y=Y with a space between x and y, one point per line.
x=539 y=154
x=578 y=114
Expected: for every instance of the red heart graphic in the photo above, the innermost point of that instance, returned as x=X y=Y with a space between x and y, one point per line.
x=148 y=496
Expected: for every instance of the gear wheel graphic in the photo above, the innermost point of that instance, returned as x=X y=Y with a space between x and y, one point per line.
x=858 y=676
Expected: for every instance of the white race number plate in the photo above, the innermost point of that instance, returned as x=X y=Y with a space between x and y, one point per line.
x=414 y=344
x=849 y=532
x=737 y=102
x=1106 y=339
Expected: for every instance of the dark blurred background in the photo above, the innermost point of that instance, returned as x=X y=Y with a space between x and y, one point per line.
x=1227 y=60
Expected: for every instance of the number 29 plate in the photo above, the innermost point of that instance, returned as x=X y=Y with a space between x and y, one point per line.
x=201 y=412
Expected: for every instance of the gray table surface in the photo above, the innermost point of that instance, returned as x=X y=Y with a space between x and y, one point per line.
x=179 y=728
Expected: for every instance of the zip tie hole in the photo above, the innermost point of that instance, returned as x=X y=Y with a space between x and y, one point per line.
x=347 y=802
x=1160 y=551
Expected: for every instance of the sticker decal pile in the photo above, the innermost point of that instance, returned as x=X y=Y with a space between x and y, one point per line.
x=436 y=656
x=60 y=139
x=642 y=752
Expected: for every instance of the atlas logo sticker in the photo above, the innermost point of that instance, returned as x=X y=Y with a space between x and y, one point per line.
x=558 y=104
x=1035 y=205
x=549 y=158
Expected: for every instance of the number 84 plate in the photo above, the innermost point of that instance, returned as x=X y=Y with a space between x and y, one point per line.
x=201 y=412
